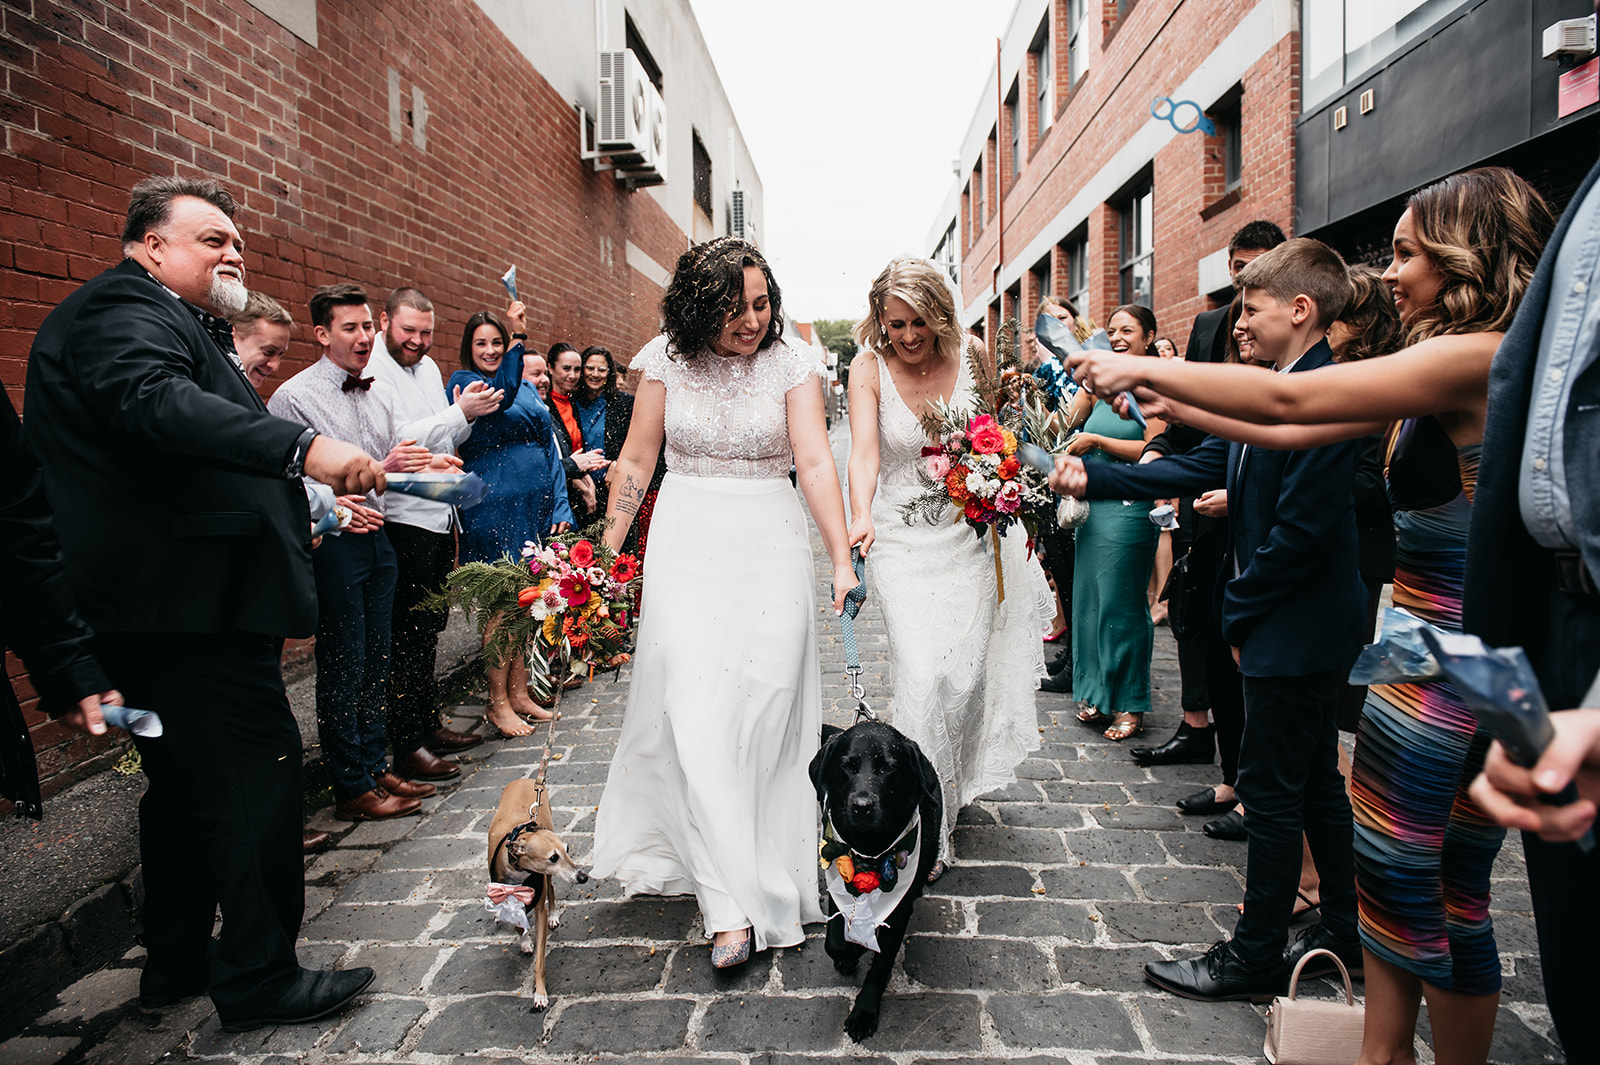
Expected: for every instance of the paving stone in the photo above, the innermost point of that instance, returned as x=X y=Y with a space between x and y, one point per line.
x=458 y=885
x=1039 y=815
x=674 y=920
x=1037 y=919
x=571 y=970
x=1115 y=772
x=940 y=916
x=341 y=860
x=32 y=1049
x=773 y=1022
x=1137 y=817
x=807 y=968
x=959 y=963
x=1118 y=1059
x=910 y=1022
x=472 y=921
x=379 y=1027
x=1190 y=885
x=970 y=880
x=400 y=969
x=378 y=833
x=1018 y=791
x=801 y=1059
x=1514 y=1042
x=995 y=844
x=1072 y=791
x=1151 y=922
x=621 y=1026
x=383 y=887
x=1095 y=882
x=1038 y=769
x=974 y=815
x=1064 y=1019
x=477 y=968
x=142 y=1037
x=391 y=923
x=431 y=854
x=1181 y=1026
x=1194 y=848
x=492 y=1022
x=93 y=996
x=1116 y=846
x=1104 y=968
x=575 y=796
x=1516 y=934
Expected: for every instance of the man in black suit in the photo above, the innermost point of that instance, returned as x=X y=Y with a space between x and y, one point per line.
x=185 y=535
x=1292 y=614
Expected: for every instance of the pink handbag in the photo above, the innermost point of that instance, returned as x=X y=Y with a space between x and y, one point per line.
x=1312 y=1031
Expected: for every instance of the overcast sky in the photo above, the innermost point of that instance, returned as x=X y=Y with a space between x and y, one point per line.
x=853 y=111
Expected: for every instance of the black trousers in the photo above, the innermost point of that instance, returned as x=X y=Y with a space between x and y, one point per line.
x=1058 y=546
x=1289 y=782
x=1225 y=687
x=1565 y=882
x=220 y=822
x=425 y=559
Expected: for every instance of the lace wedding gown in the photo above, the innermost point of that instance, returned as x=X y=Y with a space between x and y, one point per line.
x=708 y=791
x=965 y=667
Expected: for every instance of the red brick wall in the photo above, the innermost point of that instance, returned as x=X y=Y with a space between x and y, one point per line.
x=1151 y=51
x=100 y=93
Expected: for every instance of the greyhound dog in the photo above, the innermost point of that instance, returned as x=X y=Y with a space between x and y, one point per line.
x=522 y=841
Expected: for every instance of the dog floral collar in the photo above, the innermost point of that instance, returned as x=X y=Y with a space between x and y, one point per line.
x=867 y=888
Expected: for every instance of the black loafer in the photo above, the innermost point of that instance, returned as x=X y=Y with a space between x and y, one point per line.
x=1061 y=662
x=1218 y=975
x=1059 y=684
x=315 y=993
x=1205 y=802
x=1229 y=826
x=1318 y=938
x=1189 y=746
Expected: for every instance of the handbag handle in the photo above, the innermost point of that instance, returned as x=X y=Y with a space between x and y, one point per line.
x=1294 y=980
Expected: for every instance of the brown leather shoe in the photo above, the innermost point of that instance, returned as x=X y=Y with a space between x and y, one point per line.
x=375 y=805
x=406 y=789
x=314 y=841
x=449 y=741
x=423 y=764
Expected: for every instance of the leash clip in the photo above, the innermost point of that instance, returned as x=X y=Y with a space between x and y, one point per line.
x=859 y=694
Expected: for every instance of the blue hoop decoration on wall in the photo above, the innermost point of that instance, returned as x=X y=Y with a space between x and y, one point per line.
x=1165 y=109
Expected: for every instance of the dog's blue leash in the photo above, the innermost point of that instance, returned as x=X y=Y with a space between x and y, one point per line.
x=847 y=626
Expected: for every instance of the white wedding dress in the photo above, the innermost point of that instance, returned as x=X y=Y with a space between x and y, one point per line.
x=708 y=792
x=965 y=667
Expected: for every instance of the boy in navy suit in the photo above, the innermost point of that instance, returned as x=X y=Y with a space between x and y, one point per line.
x=1293 y=614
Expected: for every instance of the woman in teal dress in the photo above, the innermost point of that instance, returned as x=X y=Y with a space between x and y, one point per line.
x=1112 y=635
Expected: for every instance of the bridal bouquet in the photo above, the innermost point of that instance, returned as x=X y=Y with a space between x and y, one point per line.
x=571 y=603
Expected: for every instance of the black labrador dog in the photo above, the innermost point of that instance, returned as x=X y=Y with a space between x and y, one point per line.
x=871 y=781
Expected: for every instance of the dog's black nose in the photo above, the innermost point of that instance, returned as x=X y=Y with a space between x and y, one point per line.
x=862 y=803
x=583 y=877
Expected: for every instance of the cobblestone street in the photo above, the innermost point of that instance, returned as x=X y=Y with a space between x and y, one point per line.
x=1029 y=949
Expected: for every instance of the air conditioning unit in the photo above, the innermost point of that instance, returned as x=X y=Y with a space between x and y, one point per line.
x=1574 y=37
x=736 y=214
x=632 y=129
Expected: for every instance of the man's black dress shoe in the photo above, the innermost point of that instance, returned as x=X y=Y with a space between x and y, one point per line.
x=1229 y=826
x=1189 y=746
x=1318 y=938
x=1205 y=802
x=1218 y=975
x=1060 y=683
x=315 y=993
x=1060 y=662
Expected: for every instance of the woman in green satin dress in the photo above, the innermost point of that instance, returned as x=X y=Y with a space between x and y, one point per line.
x=1112 y=634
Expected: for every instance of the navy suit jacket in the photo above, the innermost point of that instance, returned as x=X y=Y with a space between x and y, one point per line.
x=1298 y=605
x=1509 y=576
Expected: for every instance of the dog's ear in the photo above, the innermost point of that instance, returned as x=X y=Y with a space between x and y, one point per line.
x=820 y=759
x=932 y=790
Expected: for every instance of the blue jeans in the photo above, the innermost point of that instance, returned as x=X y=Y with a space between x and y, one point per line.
x=355 y=599
x=1289 y=782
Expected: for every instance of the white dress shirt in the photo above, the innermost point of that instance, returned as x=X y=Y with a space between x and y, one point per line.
x=427 y=416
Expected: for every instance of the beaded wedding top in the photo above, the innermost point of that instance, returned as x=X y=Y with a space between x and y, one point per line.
x=728 y=417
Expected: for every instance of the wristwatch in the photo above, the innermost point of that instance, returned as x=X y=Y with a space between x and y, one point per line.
x=519 y=336
x=296 y=466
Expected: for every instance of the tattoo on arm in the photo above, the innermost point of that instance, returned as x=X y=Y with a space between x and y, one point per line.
x=630 y=497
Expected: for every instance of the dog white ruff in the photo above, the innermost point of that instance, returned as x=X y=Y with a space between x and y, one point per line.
x=864 y=913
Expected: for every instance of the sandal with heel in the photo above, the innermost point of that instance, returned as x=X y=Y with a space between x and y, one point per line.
x=1123 y=726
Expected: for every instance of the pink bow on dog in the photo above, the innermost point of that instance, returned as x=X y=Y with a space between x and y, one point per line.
x=499 y=893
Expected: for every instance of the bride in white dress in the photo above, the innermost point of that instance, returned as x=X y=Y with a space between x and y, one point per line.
x=965 y=666
x=708 y=791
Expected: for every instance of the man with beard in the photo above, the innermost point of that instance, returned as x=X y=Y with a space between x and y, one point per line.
x=355 y=575
x=186 y=541
x=422 y=533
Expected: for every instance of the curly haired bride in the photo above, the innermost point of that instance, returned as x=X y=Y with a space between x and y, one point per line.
x=965 y=665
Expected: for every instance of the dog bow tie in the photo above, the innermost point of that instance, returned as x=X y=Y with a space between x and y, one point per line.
x=352 y=382
x=499 y=893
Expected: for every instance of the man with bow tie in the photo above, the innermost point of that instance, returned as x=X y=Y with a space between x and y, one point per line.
x=355 y=574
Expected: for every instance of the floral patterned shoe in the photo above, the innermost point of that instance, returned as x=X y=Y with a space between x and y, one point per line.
x=730 y=954
x=1123 y=726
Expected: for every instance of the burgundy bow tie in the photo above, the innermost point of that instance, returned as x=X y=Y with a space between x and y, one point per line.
x=351 y=381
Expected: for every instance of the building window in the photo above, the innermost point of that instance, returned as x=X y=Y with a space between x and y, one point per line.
x=945 y=254
x=1137 y=248
x=1344 y=40
x=1074 y=253
x=702 y=176
x=1044 y=82
x=1077 y=12
x=635 y=43
x=966 y=215
x=979 y=214
x=992 y=154
x=1012 y=118
x=1225 y=149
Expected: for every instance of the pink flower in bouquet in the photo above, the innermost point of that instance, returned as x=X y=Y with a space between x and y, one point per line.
x=574 y=590
x=535 y=567
x=938 y=466
x=582 y=554
x=553 y=598
x=620 y=618
x=1009 y=499
x=986 y=436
